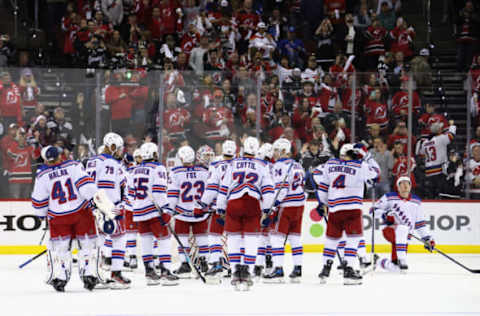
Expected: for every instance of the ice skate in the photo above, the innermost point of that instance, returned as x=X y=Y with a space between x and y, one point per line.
x=257 y=271
x=364 y=263
x=152 y=277
x=58 y=285
x=351 y=277
x=325 y=272
x=133 y=262
x=237 y=277
x=296 y=274
x=119 y=281
x=202 y=264
x=89 y=282
x=268 y=264
x=167 y=278
x=402 y=264
x=126 y=266
x=106 y=263
x=184 y=271
x=275 y=277
x=242 y=279
x=213 y=275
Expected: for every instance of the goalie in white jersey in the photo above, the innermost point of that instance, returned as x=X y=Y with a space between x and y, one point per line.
x=109 y=175
x=246 y=191
x=289 y=179
x=402 y=214
x=150 y=176
x=340 y=184
x=186 y=185
x=62 y=194
x=215 y=228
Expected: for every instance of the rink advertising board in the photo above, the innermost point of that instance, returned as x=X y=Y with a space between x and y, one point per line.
x=454 y=225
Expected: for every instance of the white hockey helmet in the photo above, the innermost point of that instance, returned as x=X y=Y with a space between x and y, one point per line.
x=111 y=139
x=205 y=155
x=282 y=145
x=186 y=154
x=250 y=146
x=346 y=148
x=265 y=151
x=229 y=148
x=100 y=149
x=403 y=178
x=149 y=151
x=137 y=153
x=50 y=153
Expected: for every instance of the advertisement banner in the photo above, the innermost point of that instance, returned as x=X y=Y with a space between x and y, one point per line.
x=454 y=225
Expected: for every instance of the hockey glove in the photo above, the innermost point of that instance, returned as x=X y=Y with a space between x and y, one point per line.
x=265 y=220
x=429 y=243
x=165 y=219
x=200 y=209
x=388 y=219
x=221 y=219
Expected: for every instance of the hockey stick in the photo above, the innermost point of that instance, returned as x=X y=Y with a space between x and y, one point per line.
x=447 y=256
x=189 y=261
x=373 y=230
x=32 y=259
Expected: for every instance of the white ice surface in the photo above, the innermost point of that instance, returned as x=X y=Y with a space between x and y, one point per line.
x=433 y=286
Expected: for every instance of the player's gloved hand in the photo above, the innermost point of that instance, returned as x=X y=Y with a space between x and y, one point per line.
x=166 y=218
x=361 y=150
x=429 y=243
x=388 y=219
x=265 y=220
x=198 y=212
x=221 y=220
x=200 y=209
x=320 y=210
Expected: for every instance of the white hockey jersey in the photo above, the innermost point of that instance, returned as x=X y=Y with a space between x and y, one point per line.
x=340 y=183
x=246 y=176
x=435 y=152
x=216 y=171
x=406 y=212
x=291 y=191
x=62 y=189
x=108 y=174
x=473 y=171
x=148 y=177
x=186 y=185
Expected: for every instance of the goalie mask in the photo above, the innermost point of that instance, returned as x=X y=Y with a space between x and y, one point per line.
x=205 y=155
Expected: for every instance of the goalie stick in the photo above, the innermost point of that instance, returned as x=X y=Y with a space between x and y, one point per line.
x=189 y=261
x=447 y=256
x=33 y=258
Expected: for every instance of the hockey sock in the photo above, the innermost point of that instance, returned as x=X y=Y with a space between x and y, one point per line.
x=361 y=250
x=107 y=247
x=297 y=249
x=215 y=241
x=351 y=250
x=186 y=244
x=278 y=250
x=155 y=247
x=389 y=234
x=61 y=260
x=164 y=248
x=234 y=240
x=86 y=255
x=202 y=242
x=251 y=247
x=401 y=235
x=341 y=247
x=131 y=244
x=147 y=248
x=118 y=252
x=388 y=265
x=329 y=249
x=261 y=250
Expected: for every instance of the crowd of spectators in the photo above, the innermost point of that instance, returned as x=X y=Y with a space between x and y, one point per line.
x=307 y=70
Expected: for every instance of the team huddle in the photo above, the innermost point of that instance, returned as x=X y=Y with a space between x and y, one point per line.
x=231 y=216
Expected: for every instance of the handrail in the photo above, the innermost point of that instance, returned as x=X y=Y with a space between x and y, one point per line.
x=429 y=22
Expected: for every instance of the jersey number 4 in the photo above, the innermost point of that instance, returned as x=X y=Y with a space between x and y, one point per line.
x=339 y=182
x=59 y=194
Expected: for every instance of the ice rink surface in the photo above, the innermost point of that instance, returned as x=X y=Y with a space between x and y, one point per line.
x=433 y=286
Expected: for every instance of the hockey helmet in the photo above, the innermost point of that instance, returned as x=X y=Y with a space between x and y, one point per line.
x=265 y=151
x=250 y=146
x=205 y=155
x=149 y=151
x=111 y=139
x=347 y=150
x=186 y=154
x=282 y=145
x=229 y=148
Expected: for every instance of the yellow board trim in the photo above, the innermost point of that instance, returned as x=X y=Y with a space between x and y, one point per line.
x=32 y=250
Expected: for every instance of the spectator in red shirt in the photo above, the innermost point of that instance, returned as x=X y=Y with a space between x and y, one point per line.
x=428 y=118
x=376 y=110
x=402 y=38
x=20 y=156
x=10 y=108
x=29 y=92
x=302 y=119
x=400 y=134
x=6 y=143
x=121 y=104
x=400 y=101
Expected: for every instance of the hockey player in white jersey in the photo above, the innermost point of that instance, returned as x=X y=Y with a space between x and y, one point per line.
x=340 y=184
x=289 y=178
x=109 y=175
x=151 y=177
x=246 y=191
x=131 y=226
x=186 y=185
x=264 y=253
x=402 y=214
x=215 y=228
x=62 y=194
x=434 y=150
